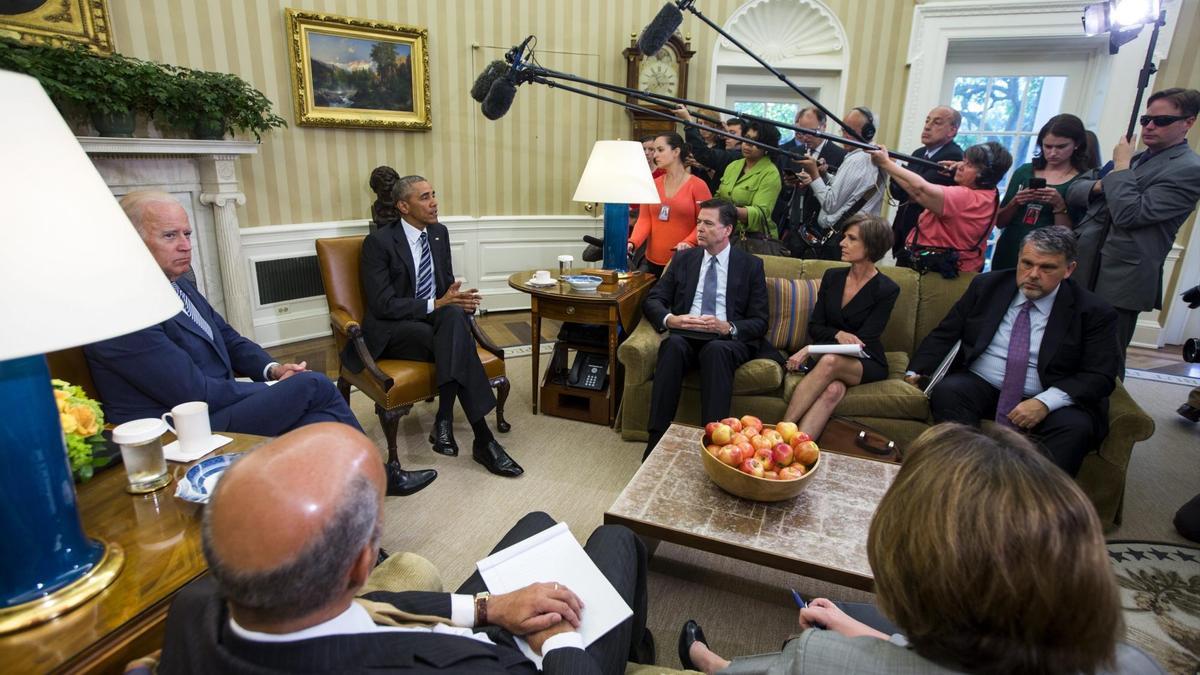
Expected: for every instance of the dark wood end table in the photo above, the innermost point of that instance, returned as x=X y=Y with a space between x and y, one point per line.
x=617 y=307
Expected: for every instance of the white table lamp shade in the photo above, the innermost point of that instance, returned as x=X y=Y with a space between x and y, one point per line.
x=72 y=268
x=617 y=173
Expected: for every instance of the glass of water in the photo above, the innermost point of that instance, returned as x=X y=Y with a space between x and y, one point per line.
x=142 y=454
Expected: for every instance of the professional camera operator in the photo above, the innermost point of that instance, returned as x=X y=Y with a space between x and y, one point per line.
x=798 y=207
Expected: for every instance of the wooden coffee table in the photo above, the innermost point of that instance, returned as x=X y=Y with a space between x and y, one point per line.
x=821 y=533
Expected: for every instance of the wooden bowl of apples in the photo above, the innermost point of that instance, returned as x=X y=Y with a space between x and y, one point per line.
x=765 y=463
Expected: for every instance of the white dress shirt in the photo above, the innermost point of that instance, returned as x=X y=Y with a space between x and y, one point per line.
x=991 y=364
x=414 y=245
x=356 y=620
x=722 y=260
x=856 y=175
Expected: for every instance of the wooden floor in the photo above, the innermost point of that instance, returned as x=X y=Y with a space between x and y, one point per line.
x=509 y=329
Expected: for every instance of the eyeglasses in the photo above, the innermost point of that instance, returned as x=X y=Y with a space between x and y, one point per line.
x=1161 y=120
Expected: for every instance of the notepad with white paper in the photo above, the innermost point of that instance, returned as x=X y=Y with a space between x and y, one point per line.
x=844 y=350
x=553 y=555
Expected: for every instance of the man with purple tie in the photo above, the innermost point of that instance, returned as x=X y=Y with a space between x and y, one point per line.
x=1038 y=352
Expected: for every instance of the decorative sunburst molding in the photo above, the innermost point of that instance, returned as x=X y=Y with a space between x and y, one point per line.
x=781 y=30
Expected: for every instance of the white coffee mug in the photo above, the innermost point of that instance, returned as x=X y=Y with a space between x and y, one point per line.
x=541 y=276
x=191 y=425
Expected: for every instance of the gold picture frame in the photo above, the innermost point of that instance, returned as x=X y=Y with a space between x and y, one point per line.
x=57 y=21
x=369 y=74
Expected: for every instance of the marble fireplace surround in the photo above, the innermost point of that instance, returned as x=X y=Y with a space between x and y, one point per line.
x=202 y=175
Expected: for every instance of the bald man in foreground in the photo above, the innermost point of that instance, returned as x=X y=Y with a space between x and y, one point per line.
x=291 y=535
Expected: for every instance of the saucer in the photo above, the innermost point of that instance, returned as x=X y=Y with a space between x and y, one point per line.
x=199 y=482
x=542 y=284
x=172 y=451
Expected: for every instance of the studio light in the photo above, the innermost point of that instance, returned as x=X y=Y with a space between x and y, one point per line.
x=1121 y=19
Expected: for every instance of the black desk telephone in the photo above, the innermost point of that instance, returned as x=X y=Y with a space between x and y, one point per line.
x=590 y=371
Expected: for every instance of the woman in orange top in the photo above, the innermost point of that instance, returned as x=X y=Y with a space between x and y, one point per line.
x=670 y=225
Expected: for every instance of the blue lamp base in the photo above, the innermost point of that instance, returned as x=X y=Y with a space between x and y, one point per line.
x=616 y=237
x=45 y=559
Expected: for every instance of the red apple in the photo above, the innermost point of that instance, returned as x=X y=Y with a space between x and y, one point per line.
x=786 y=430
x=733 y=423
x=721 y=434
x=710 y=427
x=739 y=437
x=746 y=448
x=800 y=437
x=712 y=449
x=751 y=421
x=749 y=432
x=766 y=457
x=759 y=442
x=791 y=472
x=753 y=467
x=729 y=454
x=774 y=436
x=770 y=475
x=783 y=454
x=807 y=453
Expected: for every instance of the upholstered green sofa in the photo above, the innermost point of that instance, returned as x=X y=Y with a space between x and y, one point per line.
x=894 y=408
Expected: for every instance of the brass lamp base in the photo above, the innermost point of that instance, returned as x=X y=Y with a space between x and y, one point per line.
x=26 y=615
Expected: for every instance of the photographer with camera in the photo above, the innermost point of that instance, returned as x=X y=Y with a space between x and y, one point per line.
x=952 y=232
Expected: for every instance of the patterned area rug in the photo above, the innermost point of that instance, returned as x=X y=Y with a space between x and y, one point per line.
x=1160 y=593
x=1161 y=377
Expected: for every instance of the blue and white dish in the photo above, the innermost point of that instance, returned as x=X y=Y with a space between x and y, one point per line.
x=583 y=282
x=198 y=483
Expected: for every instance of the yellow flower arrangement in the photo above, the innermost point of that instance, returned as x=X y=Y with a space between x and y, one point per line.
x=82 y=421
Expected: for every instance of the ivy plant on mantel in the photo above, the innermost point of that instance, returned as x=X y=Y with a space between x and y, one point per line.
x=112 y=90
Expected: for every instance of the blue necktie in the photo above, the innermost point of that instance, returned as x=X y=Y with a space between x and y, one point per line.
x=708 y=301
x=425 y=270
x=191 y=312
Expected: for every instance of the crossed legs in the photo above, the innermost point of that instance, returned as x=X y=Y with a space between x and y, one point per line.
x=815 y=398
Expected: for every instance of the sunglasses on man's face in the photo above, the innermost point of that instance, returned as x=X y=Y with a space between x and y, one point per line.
x=1161 y=120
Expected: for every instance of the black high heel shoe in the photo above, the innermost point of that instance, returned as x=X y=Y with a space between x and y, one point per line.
x=690 y=633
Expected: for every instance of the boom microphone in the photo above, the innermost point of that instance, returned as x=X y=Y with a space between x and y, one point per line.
x=658 y=31
x=490 y=74
x=500 y=97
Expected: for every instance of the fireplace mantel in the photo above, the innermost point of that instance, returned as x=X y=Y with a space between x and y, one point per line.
x=202 y=175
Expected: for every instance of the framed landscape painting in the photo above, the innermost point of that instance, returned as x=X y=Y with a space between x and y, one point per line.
x=350 y=72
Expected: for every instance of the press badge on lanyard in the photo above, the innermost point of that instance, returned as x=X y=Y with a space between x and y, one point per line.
x=664 y=212
x=1032 y=211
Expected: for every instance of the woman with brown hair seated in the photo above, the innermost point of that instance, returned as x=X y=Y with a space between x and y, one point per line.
x=986 y=556
x=853 y=307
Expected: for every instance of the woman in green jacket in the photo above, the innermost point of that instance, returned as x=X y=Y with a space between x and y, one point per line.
x=753 y=183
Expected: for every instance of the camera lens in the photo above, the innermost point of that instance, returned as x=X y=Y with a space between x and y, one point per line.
x=1191 y=350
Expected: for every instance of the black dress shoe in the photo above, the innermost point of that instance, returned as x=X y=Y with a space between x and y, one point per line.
x=1189 y=413
x=493 y=457
x=443 y=438
x=691 y=633
x=401 y=483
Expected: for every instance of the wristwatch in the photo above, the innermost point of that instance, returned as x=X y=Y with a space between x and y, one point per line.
x=732 y=330
x=481 y=603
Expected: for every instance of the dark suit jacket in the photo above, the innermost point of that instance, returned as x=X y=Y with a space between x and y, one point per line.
x=908 y=211
x=148 y=372
x=866 y=315
x=198 y=640
x=745 y=296
x=1078 y=353
x=833 y=154
x=389 y=282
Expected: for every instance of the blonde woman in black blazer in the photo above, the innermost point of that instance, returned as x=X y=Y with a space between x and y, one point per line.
x=853 y=307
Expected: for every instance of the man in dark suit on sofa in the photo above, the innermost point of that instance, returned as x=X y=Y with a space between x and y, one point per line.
x=417 y=311
x=719 y=294
x=281 y=599
x=1039 y=352
x=195 y=355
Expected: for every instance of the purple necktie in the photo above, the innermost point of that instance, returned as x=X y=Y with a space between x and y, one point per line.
x=1016 y=367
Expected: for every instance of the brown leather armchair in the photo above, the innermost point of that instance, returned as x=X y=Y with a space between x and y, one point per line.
x=393 y=384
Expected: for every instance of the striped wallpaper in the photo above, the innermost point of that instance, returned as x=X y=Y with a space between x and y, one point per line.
x=527 y=163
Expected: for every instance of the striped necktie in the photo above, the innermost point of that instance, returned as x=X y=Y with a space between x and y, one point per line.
x=192 y=313
x=425 y=270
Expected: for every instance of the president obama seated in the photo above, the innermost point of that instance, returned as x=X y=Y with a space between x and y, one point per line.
x=289 y=548
x=1039 y=352
x=714 y=299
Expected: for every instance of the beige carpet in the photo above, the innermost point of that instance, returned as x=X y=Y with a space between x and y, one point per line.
x=574 y=471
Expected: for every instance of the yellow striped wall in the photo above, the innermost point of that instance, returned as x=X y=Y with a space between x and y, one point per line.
x=525 y=164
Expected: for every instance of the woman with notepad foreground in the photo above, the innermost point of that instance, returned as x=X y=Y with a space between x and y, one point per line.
x=853 y=306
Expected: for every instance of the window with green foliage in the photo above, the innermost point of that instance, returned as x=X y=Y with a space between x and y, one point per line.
x=1009 y=110
x=772 y=110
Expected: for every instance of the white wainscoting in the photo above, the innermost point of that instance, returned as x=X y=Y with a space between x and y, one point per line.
x=484 y=251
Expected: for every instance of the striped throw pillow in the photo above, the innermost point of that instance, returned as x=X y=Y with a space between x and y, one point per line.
x=790 y=303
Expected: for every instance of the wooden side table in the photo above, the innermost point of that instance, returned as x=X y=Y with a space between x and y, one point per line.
x=615 y=306
x=161 y=538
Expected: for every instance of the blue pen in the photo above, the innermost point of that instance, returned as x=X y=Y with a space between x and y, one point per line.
x=799 y=600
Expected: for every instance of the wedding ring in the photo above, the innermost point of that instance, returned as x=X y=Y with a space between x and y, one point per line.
x=556 y=587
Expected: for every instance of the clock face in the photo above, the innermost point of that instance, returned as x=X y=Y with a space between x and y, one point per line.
x=659 y=74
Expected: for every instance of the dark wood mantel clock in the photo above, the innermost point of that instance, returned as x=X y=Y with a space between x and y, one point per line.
x=665 y=72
